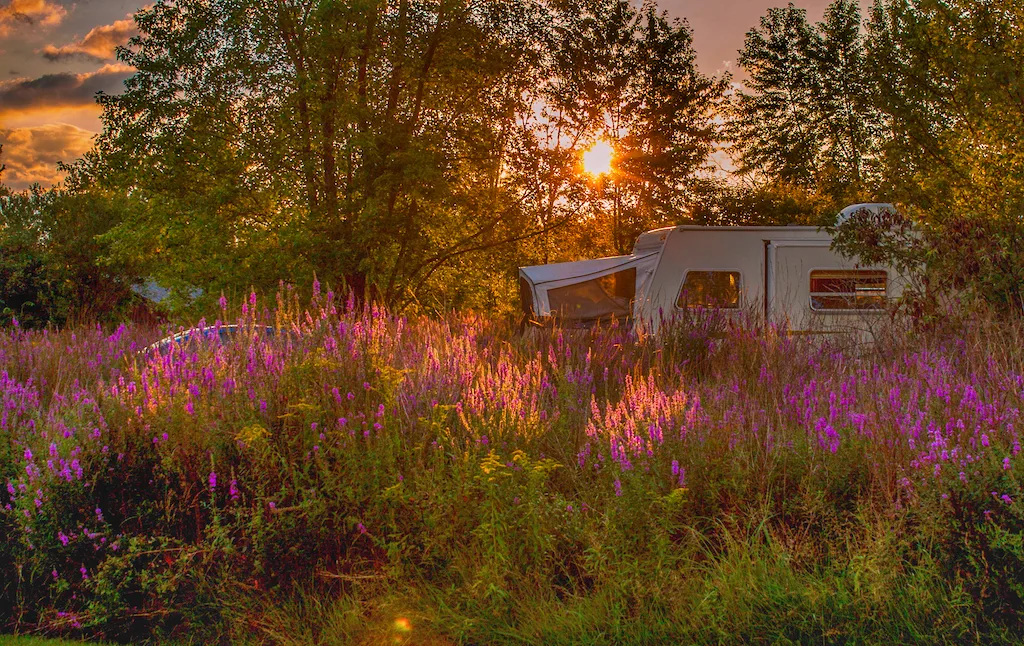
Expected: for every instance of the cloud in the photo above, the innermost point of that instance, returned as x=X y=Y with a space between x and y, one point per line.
x=31 y=154
x=61 y=90
x=97 y=45
x=30 y=12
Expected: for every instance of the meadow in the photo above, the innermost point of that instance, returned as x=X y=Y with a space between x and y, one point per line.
x=372 y=478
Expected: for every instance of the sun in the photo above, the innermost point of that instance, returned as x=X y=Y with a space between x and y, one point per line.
x=598 y=159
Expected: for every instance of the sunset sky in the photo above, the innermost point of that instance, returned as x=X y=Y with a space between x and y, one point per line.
x=56 y=55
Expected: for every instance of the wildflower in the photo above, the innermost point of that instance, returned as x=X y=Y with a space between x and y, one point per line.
x=54 y=573
x=223 y=302
x=362 y=528
x=618 y=487
x=1006 y=499
x=984 y=439
x=85 y=576
x=233 y=489
x=99 y=514
x=272 y=505
x=1006 y=464
x=213 y=480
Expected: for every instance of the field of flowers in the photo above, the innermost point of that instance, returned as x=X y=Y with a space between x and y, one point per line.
x=366 y=477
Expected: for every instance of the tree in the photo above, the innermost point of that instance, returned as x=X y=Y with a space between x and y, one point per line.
x=624 y=74
x=947 y=78
x=48 y=259
x=806 y=119
x=361 y=140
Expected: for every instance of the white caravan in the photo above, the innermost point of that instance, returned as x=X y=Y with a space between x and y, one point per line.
x=787 y=275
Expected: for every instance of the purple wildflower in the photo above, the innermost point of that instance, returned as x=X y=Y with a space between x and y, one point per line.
x=213 y=480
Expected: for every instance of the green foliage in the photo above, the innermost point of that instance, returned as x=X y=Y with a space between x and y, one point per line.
x=50 y=269
x=806 y=118
x=947 y=80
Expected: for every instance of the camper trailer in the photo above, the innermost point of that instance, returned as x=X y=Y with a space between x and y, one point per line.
x=787 y=275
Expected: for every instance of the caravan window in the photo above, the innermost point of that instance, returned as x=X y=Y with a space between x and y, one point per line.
x=597 y=298
x=848 y=289
x=710 y=290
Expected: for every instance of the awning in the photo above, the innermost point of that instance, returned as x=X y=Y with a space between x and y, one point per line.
x=580 y=292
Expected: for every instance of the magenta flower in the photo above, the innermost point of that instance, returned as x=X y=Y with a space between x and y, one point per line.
x=213 y=480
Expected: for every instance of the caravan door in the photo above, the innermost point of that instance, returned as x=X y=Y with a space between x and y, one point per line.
x=809 y=287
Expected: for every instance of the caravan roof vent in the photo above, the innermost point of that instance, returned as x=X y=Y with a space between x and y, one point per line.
x=874 y=207
x=651 y=241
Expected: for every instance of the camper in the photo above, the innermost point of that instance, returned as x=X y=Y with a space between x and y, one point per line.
x=787 y=275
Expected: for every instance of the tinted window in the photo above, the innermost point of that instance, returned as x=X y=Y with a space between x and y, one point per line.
x=848 y=289
x=710 y=290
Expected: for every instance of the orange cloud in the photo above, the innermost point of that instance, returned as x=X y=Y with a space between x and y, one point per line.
x=30 y=12
x=97 y=45
x=62 y=90
x=31 y=154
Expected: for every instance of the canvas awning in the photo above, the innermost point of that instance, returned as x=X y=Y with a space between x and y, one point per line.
x=589 y=289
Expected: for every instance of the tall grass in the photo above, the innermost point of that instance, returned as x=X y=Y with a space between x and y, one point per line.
x=367 y=477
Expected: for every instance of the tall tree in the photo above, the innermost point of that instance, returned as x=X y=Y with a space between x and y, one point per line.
x=774 y=121
x=359 y=139
x=624 y=74
x=805 y=118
